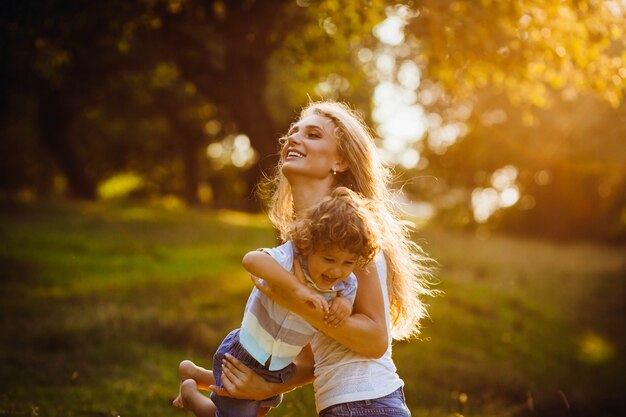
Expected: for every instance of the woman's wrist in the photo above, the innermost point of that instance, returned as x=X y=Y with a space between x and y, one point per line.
x=272 y=389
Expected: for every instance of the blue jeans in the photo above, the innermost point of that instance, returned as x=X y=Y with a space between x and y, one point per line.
x=392 y=405
x=233 y=407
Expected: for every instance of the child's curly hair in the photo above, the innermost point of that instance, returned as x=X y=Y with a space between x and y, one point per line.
x=343 y=220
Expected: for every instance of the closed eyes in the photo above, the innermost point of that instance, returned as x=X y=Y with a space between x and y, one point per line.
x=310 y=131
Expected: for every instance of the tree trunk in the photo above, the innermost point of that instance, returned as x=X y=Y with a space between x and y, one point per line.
x=53 y=120
x=237 y=79
x=249 y=111
x=189 y=149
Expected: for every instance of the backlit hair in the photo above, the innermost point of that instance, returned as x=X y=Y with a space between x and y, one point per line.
x=407 y=265
x=342 y=220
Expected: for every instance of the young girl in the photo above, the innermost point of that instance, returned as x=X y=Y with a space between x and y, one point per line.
x=328 y=242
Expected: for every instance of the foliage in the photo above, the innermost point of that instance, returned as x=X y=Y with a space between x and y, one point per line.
x=537 y=86
x=145 y=87
x=151 y=88
x=525 y=48
x=100 y=303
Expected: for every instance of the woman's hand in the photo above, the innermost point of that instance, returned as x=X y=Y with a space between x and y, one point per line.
x=241 y=382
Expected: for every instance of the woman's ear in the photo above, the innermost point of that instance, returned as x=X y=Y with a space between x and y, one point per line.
x=341 y=166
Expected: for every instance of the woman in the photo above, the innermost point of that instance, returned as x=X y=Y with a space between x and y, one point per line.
x=330 y=146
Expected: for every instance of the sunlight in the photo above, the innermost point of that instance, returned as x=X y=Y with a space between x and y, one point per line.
x=503 y=193
x=409 y=75
x=232 y=150
x=441 y=138
x=215 y=150
x=616 y=7
x=418 y=212
x=212 y=127
x=120 y=185
x=410 y=158
x=385 y=64
x=401 y=123
x=401 y=120
x=237 y=218
x=365 y=55
x=172 y=202
x=390 y=31
x=594 y=348
x=509 y=196
x=332 y=85
x=493 y=117
x=504 y=177
x=485 y=203
x=242 y=151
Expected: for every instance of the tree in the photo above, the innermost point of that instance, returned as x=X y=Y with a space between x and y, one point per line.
x=537 y=86
x=238 y=53
x=234 y=55
x=58 y=55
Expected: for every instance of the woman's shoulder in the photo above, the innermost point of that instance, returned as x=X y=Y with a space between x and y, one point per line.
x=381 y=265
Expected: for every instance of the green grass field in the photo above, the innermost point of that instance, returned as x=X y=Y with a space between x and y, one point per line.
x=99 y=303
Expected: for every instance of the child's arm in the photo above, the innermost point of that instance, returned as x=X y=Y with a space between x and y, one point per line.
x=365 y=331
x=264 y=266
x=339 y=310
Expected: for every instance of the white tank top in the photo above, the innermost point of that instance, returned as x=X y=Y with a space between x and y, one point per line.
x=342 y=375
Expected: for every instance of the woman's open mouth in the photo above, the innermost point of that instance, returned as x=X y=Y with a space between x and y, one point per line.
x=294 y=154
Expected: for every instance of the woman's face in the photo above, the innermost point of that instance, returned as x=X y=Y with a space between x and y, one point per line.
x=311 y=148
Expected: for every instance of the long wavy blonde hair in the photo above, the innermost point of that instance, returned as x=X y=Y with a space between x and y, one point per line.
x=409 y=273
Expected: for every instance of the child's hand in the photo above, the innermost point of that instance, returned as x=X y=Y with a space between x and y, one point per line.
x=309 y=296
x=261 y=286
x=301 y=293
x=340 y=309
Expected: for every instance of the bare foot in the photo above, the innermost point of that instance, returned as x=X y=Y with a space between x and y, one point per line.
x=178 y=402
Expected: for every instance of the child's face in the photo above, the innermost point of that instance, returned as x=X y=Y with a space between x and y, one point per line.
x=329 y=266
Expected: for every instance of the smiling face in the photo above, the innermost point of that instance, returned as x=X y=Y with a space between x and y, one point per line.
x=311 y=149
x=328 y=266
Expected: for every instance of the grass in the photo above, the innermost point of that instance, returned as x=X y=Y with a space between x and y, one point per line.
x=99 y=303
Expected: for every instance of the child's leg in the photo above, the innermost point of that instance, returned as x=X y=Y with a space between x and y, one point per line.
x=189 y=370
x=195 y=401
x=203 y=377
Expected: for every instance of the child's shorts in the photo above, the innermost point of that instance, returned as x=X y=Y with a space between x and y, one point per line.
x=234 y=407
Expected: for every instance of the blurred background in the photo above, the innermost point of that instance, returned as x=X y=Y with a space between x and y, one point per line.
x=133 y=135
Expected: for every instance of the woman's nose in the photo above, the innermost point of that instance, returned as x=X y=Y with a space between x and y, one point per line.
x=293 y=138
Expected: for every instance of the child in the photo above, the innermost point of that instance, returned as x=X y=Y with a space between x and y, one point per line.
x=335 y=236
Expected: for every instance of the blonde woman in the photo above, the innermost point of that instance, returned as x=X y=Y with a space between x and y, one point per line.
x=328 y=147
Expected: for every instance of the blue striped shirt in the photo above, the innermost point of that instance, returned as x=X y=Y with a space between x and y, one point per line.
x=269 y=330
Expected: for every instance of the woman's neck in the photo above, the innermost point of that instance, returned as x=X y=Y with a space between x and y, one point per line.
x=308 y=193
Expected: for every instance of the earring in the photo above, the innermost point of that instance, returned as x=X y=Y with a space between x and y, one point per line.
x=334 y=171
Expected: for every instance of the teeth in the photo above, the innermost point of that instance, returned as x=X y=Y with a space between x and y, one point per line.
x=295 y=154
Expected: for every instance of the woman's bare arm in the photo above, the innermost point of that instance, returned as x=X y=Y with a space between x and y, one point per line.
x=365 y=332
